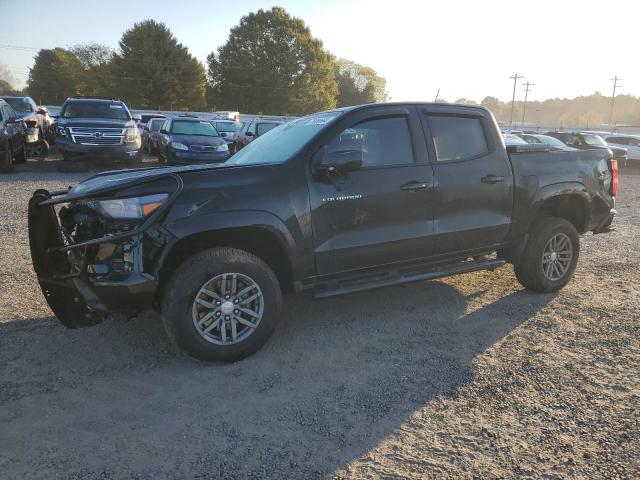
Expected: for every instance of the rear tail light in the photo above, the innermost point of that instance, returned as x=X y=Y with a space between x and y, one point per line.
x=613 y=166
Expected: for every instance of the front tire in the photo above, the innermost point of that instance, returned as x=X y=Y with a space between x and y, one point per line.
x=221 y=304
x=550 y=257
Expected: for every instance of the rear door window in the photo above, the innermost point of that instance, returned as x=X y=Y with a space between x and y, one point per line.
x=457 y=137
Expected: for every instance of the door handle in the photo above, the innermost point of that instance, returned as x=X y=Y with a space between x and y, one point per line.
x=492 y=179
x=414 y=186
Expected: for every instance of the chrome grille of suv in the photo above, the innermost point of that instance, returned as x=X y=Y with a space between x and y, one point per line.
x=97 y=136
x=203 y=148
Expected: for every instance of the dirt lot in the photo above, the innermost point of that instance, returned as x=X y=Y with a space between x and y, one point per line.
x=471 y=376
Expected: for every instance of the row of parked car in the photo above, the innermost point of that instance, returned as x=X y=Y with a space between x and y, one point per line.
x=624 y=148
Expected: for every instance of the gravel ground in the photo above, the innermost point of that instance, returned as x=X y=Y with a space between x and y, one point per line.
x=470 y=376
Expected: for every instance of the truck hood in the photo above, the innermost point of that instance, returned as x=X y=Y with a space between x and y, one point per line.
x=107 y=181
x=95 y=122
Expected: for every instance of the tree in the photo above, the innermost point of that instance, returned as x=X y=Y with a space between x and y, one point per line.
x=97 y=61
x=153 y=70
x=56 y=75
x=465 y=101
x=272 y=64
x=358 y=84
x=6 y=88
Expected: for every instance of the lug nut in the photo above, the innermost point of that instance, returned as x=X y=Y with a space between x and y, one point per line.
x=236 y=311
x=237 y=300
x=217 y=314
x=227 y=317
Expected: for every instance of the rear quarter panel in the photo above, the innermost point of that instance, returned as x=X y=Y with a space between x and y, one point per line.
x=539 y=176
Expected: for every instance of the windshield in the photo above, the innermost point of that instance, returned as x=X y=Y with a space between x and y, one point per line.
x=554 y=142
x=156 y=124
x=281 y=143
x=19 y=104
x=595 y=140
x=227 y=126
x=185 y=127
x=116 y=111
x=265 y=127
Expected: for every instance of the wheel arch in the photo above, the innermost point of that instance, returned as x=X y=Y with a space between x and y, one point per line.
x=565 y=200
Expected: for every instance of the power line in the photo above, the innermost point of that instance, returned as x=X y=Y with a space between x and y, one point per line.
x=613 y=97
x=527 y=89
x=515 y=77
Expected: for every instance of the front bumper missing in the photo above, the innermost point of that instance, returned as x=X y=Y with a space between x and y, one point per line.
x=77 y=298
x=71 y=299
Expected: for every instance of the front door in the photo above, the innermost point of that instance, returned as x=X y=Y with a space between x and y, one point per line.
x=473 y=180
x=380 y=213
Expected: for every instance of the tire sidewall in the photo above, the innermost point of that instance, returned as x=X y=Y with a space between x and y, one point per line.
x=548 y=228
x=187 y=281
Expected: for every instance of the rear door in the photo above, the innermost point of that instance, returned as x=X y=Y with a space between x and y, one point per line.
x=473 y=179
x=381 y=213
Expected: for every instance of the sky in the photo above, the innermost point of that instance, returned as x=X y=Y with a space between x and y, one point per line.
x=461 y=48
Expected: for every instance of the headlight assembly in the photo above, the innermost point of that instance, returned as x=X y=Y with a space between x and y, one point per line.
x=131 y=135
x=135 y=208
x=178 y=146
x=222 y=148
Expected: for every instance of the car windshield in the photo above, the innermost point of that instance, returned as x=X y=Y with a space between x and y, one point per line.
x=554 y=142
x=265 y=127
x=19 y=104
x=595 y=140
x=186 y=127
x=154 y=125
x=281 y=143
x=116 y=111
x=228 y=126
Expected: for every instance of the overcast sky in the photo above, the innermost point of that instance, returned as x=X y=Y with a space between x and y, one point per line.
x=465 y=48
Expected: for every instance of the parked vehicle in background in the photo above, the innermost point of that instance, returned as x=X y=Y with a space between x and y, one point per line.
x=12 y=128
x=629 y=142
x=253 y=129
x=226 y=115
x=512 y=139
x=153 y=134
x=553 y=142
x=589 y=141
x=28 y=111
x=337 y=202
x=92 y=128
x=189 y=140
x=229 y=131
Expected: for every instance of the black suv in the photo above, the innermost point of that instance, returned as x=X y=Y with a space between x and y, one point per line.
x=11 y=138
x=93 y=128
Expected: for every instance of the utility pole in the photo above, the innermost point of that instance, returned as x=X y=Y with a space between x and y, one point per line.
x=613 y=97
x=515 y=77
x=437 y=95
x=527 y=89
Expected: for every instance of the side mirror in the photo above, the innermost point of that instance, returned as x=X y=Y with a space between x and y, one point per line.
x=163 y=131
x=338 y=160
x=249 y=134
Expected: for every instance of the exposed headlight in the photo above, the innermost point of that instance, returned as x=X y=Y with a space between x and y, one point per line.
x=61 y=131
x=136 y=208
x=131 y=135
x=222 y=148
x=178 y=146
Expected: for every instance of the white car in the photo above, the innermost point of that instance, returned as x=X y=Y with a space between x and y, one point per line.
x=554 y=143
x=630 y=142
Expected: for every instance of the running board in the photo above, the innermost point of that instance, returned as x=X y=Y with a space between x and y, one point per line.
x=397 y=278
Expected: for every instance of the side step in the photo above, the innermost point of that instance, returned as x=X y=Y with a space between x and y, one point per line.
x=396 y=278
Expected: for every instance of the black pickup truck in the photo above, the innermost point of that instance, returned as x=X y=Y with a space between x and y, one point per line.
x=335 y=202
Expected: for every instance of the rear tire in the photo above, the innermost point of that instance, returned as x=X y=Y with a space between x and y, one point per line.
x=550 y=257
x=200 y=279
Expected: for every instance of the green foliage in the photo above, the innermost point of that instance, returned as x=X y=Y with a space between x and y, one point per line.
x=271 y=64
x=97 y=61
x=56 y=75
x=358 y=84
x=153 y=70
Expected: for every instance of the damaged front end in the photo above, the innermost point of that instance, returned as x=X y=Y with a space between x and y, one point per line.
x=98 y=252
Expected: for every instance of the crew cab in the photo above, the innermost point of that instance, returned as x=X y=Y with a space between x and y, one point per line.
x=91 y=128
x=336 y=202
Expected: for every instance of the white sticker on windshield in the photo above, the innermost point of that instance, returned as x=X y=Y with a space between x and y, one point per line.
x=319 y=120
x=115 y=106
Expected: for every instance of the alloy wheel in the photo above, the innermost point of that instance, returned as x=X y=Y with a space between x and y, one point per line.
x=557 y=256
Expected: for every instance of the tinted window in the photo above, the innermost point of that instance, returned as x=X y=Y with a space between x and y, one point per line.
x=156 y=124
x=457 y=138
x=265 y=127
x=384 y=141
